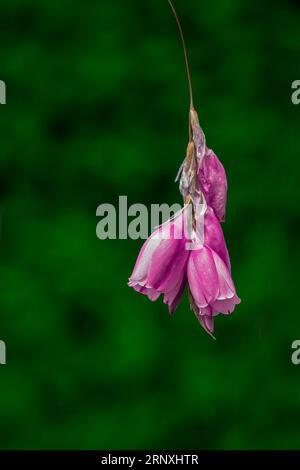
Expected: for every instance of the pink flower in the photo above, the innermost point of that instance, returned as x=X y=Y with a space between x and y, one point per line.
x=161 y=264
x=172 y=257
x=208 y=272
x=190 y=247
x=168 y=260
x=213 y=182
x=211 y=176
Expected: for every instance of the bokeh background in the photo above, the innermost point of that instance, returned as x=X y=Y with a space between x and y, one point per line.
x=97 y=107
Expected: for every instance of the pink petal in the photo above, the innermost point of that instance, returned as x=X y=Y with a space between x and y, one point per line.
x=164 y=233
x=167 y=265
x=213 y=236
x=143 y=261
x=173 y=297
x=151 y=293
x=202 y=277
x=226 y=306
x=213 y=181
x=211 y=178
x=161 y=264
x=226 y=286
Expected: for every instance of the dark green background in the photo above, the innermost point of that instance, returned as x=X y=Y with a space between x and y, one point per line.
x=97 y=107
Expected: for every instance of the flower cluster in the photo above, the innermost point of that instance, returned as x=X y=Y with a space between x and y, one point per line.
x=189 y=249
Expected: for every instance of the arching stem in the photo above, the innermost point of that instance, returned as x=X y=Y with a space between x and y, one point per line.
x=185 y=54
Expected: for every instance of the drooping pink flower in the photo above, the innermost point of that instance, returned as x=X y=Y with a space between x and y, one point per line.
x=199 y=256
x=208 y=272
x=161 y=264
x=188 y=248
x=212 y=179
x=211 y=176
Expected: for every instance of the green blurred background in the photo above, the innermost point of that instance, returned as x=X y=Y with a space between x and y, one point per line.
x=97 y=107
